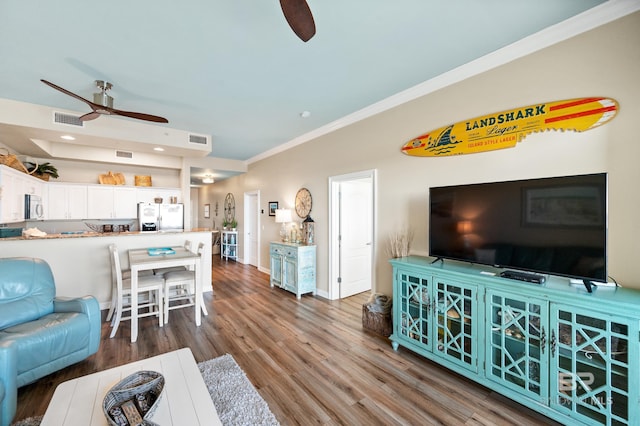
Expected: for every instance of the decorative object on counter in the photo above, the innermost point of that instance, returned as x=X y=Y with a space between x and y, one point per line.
x=157 y=200
x=33 y=232
x=283 y=216
x=99 y=227
x=173 y=200
x=273 y=206
x=11 y=160
x=111 y=178
x=229 y=207
x=137 y=397
x=399 y=243
x=94 y=227
x=45 y=171
x=234 y=225
x=142 y=180
x=309 y=231
x=303 y=203
x=207 y=211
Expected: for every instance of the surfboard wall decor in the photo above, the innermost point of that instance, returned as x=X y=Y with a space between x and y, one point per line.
x=505 y=129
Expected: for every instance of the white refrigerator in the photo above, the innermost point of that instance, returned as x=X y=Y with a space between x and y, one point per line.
x=160 y=217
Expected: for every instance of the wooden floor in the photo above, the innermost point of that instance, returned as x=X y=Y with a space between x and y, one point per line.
x=309 y=359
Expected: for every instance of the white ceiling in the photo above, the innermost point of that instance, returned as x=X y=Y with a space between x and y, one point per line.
x=234 y=70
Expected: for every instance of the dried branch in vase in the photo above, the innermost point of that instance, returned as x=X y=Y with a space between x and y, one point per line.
x=399 y=243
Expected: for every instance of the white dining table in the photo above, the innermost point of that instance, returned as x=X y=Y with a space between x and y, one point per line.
x=141 y=260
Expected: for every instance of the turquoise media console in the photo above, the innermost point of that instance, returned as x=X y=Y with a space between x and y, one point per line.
x=571 y=355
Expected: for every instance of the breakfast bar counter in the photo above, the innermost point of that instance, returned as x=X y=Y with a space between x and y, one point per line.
x=81 y=264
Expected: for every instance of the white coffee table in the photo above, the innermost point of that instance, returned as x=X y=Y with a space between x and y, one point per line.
x=185 y=400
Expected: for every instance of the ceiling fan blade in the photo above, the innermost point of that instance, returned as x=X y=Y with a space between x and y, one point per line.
x=299 y=17
x=89 y=116
x=139 y=116
x=66 y=92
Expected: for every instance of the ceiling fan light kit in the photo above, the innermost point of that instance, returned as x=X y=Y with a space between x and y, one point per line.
x=102 y=98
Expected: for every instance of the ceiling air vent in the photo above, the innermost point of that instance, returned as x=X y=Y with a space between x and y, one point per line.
x=124 y=154
x=68 y=119
x=200 y=140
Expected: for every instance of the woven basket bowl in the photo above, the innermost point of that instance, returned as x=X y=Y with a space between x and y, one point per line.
x=137 y=383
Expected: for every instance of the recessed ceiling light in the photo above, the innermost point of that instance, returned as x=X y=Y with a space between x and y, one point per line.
x=157 y=148
x=68 y=137
x=305 y=114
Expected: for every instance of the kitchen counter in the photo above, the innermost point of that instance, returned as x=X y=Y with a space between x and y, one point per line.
x=85 y=234
x=81 y=263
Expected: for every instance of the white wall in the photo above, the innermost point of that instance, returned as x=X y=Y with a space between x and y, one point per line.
x=602 y=62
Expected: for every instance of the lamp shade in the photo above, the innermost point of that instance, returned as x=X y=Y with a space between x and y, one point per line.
x=283 y=215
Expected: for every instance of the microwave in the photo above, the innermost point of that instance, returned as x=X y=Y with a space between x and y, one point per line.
x=33 y=208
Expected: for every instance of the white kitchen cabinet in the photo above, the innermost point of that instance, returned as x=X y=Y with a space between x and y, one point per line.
x=125 y=203
x=111 y=202
x=13 y=187
x=66 y=201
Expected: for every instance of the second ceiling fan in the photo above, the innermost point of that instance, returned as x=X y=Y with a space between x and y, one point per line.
x=299 y=17
x=103 y=104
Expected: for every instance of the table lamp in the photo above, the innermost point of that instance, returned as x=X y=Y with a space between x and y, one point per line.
x=283 y=216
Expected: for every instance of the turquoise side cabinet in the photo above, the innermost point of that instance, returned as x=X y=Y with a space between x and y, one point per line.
x=571 y=355
x=293 y=267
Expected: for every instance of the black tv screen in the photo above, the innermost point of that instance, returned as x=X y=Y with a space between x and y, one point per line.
x=554 y=226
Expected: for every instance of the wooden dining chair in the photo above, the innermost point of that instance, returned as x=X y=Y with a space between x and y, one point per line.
x=126 y=274
x=150 y=288
x=180 y=286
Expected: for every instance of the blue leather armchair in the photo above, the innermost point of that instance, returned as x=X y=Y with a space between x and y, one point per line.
x=39 y=333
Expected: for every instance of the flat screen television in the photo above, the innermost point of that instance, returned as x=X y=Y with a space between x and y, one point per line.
x=555 y=226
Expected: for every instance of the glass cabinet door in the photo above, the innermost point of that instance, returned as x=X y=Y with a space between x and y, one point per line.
x=455 y=319
x=590 y=355
x=517 y=334
x=414 y=305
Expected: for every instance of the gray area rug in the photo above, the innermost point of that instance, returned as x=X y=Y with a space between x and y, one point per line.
x=237 y=402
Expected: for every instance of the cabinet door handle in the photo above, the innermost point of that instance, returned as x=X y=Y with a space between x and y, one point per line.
x=553 y=343
x=543 y=340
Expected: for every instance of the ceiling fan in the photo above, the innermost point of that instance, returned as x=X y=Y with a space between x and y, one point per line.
x=299 y=17
x=103 y=104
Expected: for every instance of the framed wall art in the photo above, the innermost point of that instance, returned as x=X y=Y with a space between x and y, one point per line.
x=273 y=206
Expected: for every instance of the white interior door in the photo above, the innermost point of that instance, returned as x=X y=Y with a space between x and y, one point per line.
x=352 y=233
x=251 y=234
